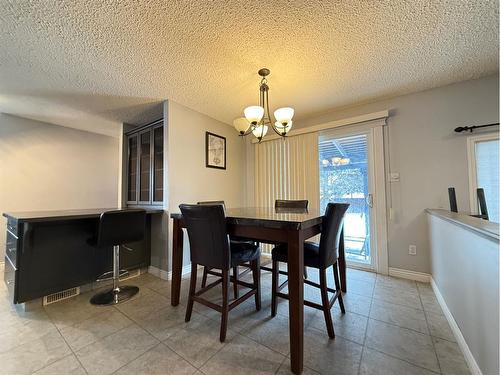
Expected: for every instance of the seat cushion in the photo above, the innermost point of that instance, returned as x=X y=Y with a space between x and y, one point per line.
x=242 y=252
x=311 y=254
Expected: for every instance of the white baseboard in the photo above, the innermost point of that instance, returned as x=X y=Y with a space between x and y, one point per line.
x=462 y=344
x=410 y=275
x=167 y=275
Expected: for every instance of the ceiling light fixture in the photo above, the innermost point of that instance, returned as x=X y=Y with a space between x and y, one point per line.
x=258 y=119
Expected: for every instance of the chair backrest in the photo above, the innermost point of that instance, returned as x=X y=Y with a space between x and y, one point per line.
x=453 y=199
x=121 y=226
x=212 y=203
x=288 y=203
x=481 y=202
x=208 y=239
x=331 y=229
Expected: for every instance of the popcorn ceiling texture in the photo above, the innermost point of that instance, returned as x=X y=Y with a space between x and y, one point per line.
x=63 y=59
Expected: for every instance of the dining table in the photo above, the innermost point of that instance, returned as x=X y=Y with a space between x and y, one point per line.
x=269 y=225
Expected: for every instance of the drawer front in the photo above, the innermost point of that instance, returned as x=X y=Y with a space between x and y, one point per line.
x=11 y=247
x=9 y=277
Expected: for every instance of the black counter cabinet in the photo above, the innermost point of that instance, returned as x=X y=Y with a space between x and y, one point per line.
x=48 y=252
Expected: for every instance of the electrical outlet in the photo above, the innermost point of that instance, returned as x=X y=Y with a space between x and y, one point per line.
x=412 y=250
x=394 y=177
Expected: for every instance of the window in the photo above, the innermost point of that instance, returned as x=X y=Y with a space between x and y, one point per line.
x=484 y=172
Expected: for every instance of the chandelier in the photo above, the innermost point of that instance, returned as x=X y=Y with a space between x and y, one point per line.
x=258 y=117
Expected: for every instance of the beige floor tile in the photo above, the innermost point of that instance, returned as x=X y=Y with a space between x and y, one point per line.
x=17 y=327
x=397 y=296
x=164 y=322
x=158 y=361
x=338 y=356
x=198 y=340
x=360 y=275
x=350 y=325
x=356 y=303
x=431 y=304
x=376 y=363
x=394 y=282
x=34 y=355
x=439 y=327
x=270 y=332
x=450 y=358
x=361 y=287
x=107 y=355
x=402 y=343
x=67 y=366
x=74 y=310
x=285 y=369
x=243 y=356
x=146 y=302
x=94 y=328
x=399 y=315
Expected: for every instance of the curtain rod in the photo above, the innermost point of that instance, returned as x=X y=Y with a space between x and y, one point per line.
x=471 y=128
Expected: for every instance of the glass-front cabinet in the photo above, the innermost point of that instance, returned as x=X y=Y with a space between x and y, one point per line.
x=145 y=165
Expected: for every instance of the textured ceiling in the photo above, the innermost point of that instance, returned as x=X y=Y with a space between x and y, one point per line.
x=110 y=61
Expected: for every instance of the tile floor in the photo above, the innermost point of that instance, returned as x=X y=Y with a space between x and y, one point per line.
x=392 y=326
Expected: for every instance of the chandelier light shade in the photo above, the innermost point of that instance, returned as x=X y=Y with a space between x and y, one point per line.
x=254 y=114
x=258 y=118
x=260 y=131
x=241 y=124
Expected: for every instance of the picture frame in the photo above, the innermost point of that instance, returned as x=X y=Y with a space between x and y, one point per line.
x=215 y=151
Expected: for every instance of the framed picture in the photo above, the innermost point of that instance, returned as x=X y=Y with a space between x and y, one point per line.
x=215 y=151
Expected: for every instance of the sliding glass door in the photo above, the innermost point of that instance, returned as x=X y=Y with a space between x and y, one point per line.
x=345 y=172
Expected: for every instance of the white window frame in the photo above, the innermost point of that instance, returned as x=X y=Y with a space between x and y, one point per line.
x=471 y=162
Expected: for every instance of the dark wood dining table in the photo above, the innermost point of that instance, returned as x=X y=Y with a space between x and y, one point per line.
x=269 y=225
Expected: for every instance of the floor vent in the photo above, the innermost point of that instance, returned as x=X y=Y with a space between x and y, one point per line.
x=59 y=296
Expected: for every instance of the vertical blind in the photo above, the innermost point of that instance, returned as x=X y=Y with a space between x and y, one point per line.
x=287 y=169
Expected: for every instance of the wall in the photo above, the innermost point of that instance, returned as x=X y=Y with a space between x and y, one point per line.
x=189 y=180
x=50 y=167
x=430 y=157
x=465 y=272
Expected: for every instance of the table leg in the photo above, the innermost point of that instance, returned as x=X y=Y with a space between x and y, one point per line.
x=342 y=264
x=296 y=298
x=177 y=247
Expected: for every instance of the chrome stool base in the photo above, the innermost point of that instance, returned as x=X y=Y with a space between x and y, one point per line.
x=114 y=296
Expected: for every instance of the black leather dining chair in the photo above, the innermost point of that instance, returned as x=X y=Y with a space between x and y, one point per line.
x=211 y=248
x=233 y=239
x=115 y=229
x=290 y=203
x=290 y=206
x=320 y=256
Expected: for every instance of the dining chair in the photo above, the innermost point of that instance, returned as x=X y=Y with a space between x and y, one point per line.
x=289 y=205
x=210 y=247
x=233 y=239
x=320 y=256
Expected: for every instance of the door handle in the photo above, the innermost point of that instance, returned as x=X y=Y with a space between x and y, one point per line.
x=369 y=200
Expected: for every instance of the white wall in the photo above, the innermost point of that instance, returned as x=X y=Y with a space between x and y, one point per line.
x=50 y=167
x=189 y=180
x=465 y=271
x=426 y=152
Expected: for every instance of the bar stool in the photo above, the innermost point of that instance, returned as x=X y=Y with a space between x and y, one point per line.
x=320 y=256
x=115 y=229
x=210 y=247
x=234 y=240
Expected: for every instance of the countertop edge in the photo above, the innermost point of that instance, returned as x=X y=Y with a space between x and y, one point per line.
x=473 y=224
x=69 y=215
